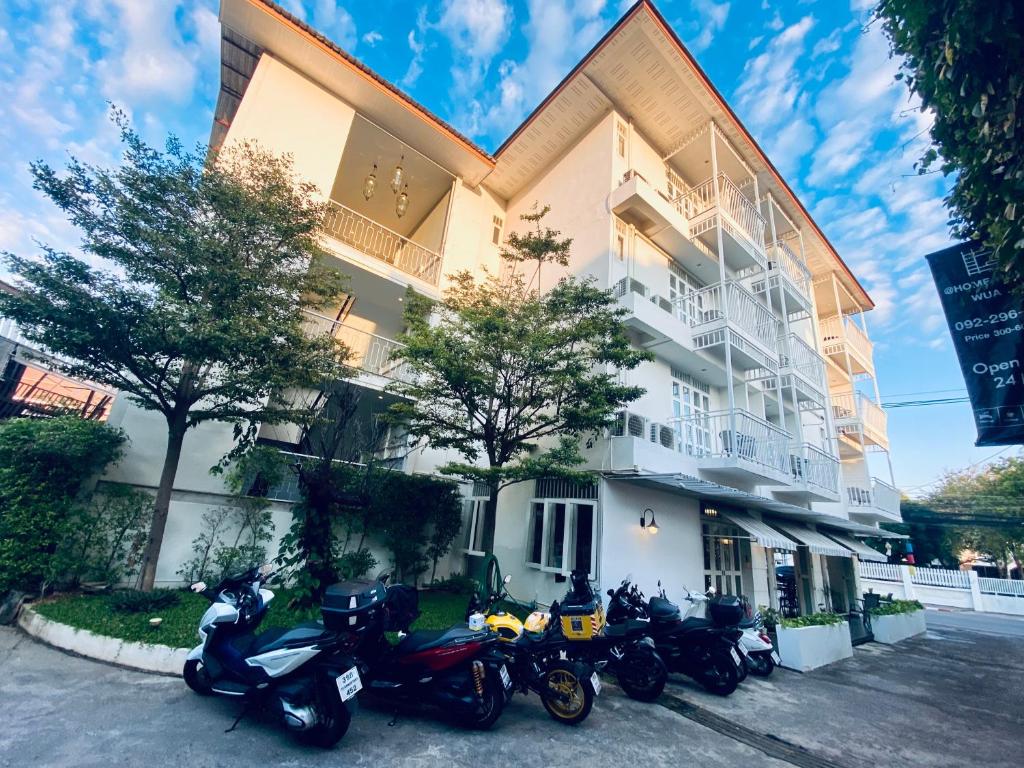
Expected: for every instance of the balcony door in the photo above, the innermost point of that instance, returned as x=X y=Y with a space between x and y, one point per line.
x=683 y=291
x=723 y=568
x=689 y=405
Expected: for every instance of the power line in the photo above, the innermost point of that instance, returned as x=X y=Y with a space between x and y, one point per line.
x=924 y=392
x=926 y=403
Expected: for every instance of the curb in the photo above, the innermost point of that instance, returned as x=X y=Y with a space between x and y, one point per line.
x=141 y=657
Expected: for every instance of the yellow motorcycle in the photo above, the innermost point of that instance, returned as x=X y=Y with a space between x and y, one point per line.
x=536 y=659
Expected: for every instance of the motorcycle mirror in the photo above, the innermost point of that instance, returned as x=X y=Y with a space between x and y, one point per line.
x=199 y=586
x=266 y=569
x=611 y=593
x=507 y=579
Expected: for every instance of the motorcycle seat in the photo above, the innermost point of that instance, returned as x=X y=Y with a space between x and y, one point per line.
x=280 y=637
x=693 y=623
x=627 y=627
x=747 y=624
x=425 y=639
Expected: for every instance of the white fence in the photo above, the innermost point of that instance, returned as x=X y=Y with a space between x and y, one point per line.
x=940 y=586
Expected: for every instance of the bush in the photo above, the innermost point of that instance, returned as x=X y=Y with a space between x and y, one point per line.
x=770 y=617
x=894 y=607
x=822 y=619
x=44 y=467
x=356 y=564
x=136 y=601
x=457 y=584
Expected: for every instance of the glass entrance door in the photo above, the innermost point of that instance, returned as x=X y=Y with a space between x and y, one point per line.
x=723 y=567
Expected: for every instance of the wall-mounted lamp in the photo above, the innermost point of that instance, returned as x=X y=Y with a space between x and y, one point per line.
x=651 y=527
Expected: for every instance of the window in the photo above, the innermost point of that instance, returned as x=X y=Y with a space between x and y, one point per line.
x=723 y=568
x=620 y=136
x=683 y=292
x=690 y=405
x=496 y=234
x=620 y=240
x=560 y=536
x=473 y=515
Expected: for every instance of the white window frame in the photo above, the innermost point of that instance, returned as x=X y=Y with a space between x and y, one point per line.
x=569 y=532
x=474 y=511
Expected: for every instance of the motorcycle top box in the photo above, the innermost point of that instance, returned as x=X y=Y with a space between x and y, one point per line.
x=726 y=610
x=350 y=606
x=582 y=620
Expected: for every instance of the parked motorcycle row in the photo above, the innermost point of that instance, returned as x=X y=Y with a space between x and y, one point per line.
x=309 y=675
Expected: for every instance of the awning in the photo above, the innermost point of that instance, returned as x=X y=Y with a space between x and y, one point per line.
x=858 y=529
x=862 y=550
x=763 y=534
x=818 y=543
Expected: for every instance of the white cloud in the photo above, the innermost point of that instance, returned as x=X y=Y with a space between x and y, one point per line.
x=711 y=19
x=828 y=44
x=770 y=83
x=372 y=37
x=418 y=46
x=476 y=30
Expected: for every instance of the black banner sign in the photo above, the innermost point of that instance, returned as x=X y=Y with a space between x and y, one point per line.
x=987 y=324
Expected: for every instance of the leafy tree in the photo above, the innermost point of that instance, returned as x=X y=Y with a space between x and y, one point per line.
x=499 y=367
x=45 y=465
x=196 y=309
x=965 y=60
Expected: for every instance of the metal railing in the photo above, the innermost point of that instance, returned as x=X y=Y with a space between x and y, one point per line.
x=733 y=203
x=369 y=352
x=886 y=497
x=745 y=312
x=870 y=569
x=376 y=240
x=860 y=412
x=813 y=466
x=799 y=356
x=941 y=577
x=738 y=435
x=838 y=333
x=35 y=399
x=781 y=257
x=1009 y=587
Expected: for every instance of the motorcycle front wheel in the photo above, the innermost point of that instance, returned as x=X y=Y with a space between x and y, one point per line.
x=566 y=693
x=489 y=709
x=721 y=675
x=642 y=675
x=760 y=664
x=197 y=678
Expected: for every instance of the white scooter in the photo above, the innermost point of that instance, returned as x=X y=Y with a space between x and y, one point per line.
x=759 y=655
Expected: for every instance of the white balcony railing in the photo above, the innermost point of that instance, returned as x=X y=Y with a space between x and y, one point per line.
x=813 y=466
x=740 y=211
x=856 y=412
x=376 y=240
x=838 y=333
x=782 y=258
x=800 y=357
x=749 y=315
x=880 y=496
x=737 y=435
x=369 y=352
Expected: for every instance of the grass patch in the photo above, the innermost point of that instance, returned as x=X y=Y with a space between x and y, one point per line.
x=179 y=629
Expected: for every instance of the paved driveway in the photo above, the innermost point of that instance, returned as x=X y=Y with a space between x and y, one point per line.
x=952 y=698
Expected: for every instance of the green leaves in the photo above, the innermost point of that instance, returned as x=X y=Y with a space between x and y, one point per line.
x=965 y=59
x=502 y=369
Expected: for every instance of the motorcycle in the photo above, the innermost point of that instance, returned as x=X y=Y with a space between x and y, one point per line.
x=624 y=651
x=761 y=657
x=567 y=689
x=300 y=673
x=698 y=609
x=703 y=649
x=459 y=670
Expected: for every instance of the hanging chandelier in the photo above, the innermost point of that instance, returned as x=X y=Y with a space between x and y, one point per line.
x=398 y=176
x=402 y=202
x=370 y=183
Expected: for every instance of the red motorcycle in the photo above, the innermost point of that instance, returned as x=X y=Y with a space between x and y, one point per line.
x=461 y=670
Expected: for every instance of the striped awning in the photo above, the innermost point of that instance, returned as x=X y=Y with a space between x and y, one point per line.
x=860 y=549
x=818 y=543
x=763 y=534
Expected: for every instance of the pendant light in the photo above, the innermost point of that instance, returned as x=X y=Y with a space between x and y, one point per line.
x=402 y=202
x=398 y=176
x=370 y=183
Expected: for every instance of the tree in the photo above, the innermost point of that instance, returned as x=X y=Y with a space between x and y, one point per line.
x=500 y=368
x=195 y=309
x=965 y=60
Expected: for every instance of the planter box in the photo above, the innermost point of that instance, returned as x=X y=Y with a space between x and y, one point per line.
x=897 y=626
x=807 y=648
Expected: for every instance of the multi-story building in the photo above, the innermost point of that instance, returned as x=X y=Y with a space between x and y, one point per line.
x=750 y=445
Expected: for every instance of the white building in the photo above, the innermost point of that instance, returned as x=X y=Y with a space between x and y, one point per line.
x=752 y=445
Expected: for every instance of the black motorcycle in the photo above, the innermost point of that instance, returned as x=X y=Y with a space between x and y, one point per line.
x=300 y=674
x=703 y=649
x=459 y=670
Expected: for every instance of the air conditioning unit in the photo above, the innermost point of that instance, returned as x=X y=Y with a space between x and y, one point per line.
x=626 y=423
x=663 y=434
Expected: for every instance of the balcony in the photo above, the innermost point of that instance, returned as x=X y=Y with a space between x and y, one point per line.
x=370 y=353
x=377 y=241
x=652 y=212
x=788 y=282
x=842 y=340
x=859 y=418
x=803 y=370
x=709 y=205
x=736 y=445
x=728 y=313
x=815 y=474
x=879 y=503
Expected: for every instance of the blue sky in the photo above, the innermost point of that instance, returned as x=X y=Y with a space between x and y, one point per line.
x=811 y=79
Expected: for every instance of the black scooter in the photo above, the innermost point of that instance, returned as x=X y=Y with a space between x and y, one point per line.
x=703 y=649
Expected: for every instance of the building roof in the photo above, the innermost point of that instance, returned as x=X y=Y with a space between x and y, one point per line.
x=585 y=91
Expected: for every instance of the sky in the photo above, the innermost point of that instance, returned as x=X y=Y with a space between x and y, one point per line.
x=811 y=79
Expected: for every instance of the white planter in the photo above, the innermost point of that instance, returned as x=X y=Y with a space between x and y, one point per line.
x=806 y=648
x=897 y=626
x=141 y=656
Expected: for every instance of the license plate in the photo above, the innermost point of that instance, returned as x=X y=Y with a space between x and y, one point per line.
x=505 y=679
x=595 y=683
x=349 y=684
x=744 y=651
x=776 y=658
x=735 y=656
